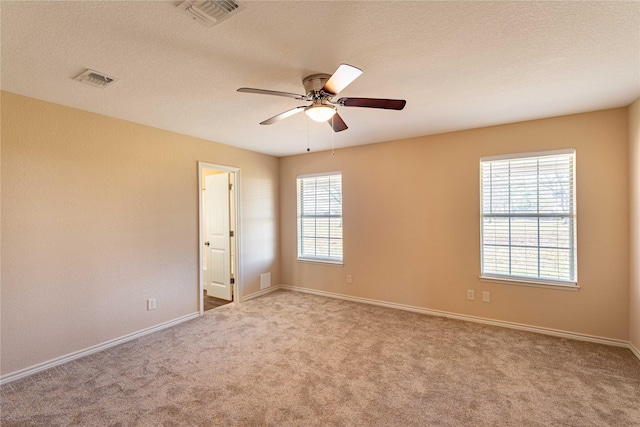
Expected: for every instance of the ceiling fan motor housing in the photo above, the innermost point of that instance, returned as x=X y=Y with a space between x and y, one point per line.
x=314 y=83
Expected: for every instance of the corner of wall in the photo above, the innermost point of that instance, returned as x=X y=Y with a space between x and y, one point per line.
x=634 y=226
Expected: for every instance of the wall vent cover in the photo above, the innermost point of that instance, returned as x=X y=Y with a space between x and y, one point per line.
x=95 y=78
x=210 y=12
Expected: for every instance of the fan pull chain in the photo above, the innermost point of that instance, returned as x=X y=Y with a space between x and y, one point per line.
x=308 y=137
x=333 y=132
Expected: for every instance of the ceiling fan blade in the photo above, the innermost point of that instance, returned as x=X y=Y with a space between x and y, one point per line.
x=272 y=92
x=337 y=123
x=387 y=104
x=341 y=78
x=284 y=115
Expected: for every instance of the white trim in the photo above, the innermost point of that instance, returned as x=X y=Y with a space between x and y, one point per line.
x=13 y=376
x=236 y=220
x=321 y=261
x=311 y=175
x=634 y=350
x=529 y=154
x=260 y=293
x=300 y=216
x=25 y=372
x=536 y=283
x=572 y=215
x=482 y=320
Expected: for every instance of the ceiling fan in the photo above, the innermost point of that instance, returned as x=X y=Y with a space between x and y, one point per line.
x=320 y=90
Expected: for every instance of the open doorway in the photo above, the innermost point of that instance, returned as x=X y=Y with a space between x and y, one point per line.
x=219 y=230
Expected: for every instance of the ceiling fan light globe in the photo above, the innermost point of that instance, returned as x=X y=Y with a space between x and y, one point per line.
x=320 y=113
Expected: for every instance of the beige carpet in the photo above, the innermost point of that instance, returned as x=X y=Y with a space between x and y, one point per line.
x=292 y=359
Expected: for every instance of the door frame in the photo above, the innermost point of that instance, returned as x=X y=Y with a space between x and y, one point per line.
x=234 y=204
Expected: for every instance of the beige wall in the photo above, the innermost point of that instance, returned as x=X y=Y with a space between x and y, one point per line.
x=634 y=169
x=411 y=223
x=98 y=215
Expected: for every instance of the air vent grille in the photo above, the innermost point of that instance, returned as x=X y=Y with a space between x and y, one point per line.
x=96 y=78
x=210 y=12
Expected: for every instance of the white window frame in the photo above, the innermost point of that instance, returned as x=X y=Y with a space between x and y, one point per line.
x=571 y=284
x=299 y=223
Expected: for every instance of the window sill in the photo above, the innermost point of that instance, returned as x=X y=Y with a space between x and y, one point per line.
x=561 y=286
x=320 y=261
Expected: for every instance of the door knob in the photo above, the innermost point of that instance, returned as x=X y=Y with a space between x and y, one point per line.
x=206 y=243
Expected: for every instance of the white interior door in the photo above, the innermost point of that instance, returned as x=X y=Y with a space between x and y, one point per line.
x=217 y=237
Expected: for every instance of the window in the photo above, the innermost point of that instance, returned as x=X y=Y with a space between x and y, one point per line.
x=320 y=217
x=528 y=211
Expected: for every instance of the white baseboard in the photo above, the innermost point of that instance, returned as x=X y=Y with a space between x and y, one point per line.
x=634 y=350
x=13 y=376
x=260 y=293
x=501 y=323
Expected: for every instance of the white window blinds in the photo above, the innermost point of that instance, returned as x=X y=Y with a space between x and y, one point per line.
x=320 y=217
x=529 y=217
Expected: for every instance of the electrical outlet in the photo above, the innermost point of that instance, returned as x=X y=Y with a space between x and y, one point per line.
x=349 y=278
x=151 y=304
x=486 y=296
x=471 y=294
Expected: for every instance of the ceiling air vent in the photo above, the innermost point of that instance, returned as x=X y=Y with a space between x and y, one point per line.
x=96 y=78
x=210 y=12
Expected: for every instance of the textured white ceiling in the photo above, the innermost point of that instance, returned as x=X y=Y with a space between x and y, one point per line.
x=459 y=65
